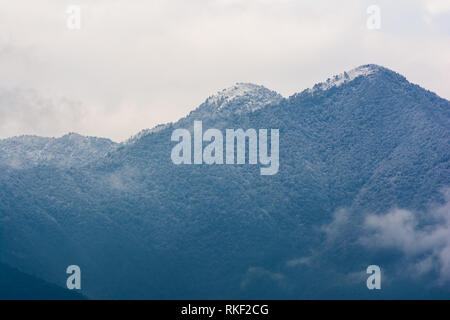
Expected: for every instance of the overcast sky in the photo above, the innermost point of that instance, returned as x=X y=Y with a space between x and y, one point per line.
x=135 y=64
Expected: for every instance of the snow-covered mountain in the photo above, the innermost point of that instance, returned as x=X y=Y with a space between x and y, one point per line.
x=362 y=145
x=17 y=285
x=242 y=98
x=70 y=150
x=348 y=76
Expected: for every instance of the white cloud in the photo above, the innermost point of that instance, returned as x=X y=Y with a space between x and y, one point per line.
x=256 y=274
x=428 y=245
x=299 y=261
x=26 y=112
x=337 y=227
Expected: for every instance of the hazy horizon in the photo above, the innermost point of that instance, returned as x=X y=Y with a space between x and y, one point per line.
x=132 y=66
x=175 y=120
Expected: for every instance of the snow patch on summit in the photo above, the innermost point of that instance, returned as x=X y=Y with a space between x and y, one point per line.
x=243 y=97
x=346 y=77
x=70 y=150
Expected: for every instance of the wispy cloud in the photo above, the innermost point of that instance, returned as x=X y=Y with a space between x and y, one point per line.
x=426 y=244
x=256 y=274
x=421 y=238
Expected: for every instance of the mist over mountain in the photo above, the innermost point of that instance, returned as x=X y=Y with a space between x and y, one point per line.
x=358 y=145
x=70 y=150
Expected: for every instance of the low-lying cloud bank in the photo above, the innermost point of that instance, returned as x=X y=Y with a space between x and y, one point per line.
x=421 y=238
x=424 y=239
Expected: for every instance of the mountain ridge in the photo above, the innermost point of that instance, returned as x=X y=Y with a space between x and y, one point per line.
x=223 y=231
x=221 y=98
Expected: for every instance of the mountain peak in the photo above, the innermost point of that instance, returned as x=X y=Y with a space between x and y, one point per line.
x=240 y=89
x=72 y=135
x=366 y=70
x=242 y=97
